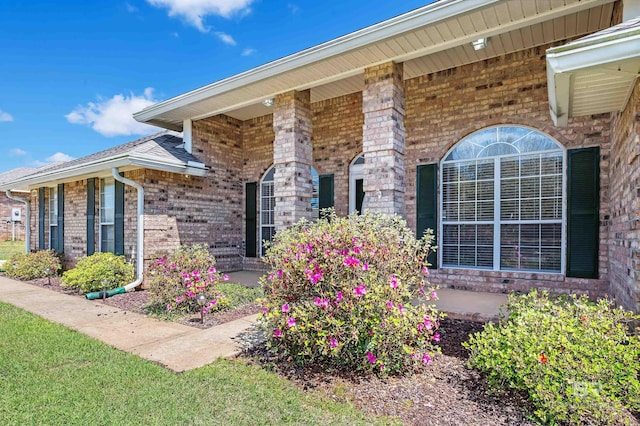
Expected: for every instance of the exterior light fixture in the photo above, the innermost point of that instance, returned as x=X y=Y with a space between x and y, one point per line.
x=268 y=102
x=202 y=300
x=480 y=43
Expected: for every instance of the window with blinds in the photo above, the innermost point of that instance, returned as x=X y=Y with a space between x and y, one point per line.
x=502 y=201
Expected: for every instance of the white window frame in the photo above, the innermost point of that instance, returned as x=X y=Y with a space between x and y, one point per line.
x=53 y=214
x=497 y=221
x=356 y=171
x=103 y=184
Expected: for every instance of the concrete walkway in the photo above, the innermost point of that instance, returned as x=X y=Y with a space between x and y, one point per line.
x=175 y=346
x=180 y=347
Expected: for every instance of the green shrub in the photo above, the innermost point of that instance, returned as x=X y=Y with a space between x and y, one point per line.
x=575 y=359
x=339 y=294
x=98 y=271
x=29 y=266
x=175 y=280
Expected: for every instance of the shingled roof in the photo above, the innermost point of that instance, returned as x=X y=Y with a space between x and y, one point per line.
x=14 y=174
x=162 y=151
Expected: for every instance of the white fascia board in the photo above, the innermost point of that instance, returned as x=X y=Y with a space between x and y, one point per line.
x=400 y=24
x=189 y=168
x=592 y=54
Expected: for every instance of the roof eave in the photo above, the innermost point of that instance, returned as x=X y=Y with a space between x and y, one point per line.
x=417 y=18
x=564 y=61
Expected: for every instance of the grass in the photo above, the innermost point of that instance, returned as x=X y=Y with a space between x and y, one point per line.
x=52 y=375
x=238 y=295
x=8 y=248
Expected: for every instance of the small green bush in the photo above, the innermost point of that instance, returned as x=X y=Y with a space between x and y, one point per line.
x=339 y=295
x=576 y=360
x=176 y=279
x=29 y=266
x=98 y=271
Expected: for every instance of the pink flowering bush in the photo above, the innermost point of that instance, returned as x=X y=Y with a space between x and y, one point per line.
x=178 y=278
x=339 y=294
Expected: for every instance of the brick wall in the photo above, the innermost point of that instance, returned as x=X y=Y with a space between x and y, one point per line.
x=6 y=206
x=624 y=246
x=337 y=141
x=443 y=107
x=75 y=221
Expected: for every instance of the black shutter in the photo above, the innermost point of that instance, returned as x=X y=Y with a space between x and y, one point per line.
x=91 y=216
x=41 y=212
x=250 y=218
x=60 y=228
x=427 y=204
x=325 y=192
x=583 y=212
x=119 y=218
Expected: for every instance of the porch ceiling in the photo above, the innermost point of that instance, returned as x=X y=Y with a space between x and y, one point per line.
x=428 y=39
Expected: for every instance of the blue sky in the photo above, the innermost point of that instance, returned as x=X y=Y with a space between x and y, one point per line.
x=73 y=72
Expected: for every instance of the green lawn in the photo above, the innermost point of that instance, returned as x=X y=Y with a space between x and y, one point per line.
x=7 y=248
x=52 y=375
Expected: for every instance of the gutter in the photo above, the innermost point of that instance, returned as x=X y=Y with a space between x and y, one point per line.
x=27 y=236
x=139 y=243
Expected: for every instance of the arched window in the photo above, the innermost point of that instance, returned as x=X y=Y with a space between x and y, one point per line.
x=356 y=179
x=502 y=201
x=268 y=204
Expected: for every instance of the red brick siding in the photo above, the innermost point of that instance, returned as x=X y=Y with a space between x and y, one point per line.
x=6 y=206
x=624 y=243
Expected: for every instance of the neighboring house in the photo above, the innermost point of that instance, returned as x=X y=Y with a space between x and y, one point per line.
x=10 y=227
x=511 y=128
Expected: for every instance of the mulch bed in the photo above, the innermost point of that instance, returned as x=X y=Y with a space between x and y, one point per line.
x=445 y=393
x=135 y=301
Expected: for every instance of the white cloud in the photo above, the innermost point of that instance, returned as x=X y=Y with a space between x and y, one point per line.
x=130 y=8
x=226 y=38
x=17 y=152
x=58 y=157
x=293 y=8
x=194 y=11
x=174 y=34
x=114 y=116
x=248 y=52
x=5 y=116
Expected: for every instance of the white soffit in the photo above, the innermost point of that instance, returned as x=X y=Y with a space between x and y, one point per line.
x=428 y=39
x=595 y=74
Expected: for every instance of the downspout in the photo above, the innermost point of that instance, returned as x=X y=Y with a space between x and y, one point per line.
x=27 y=234
x=139 y=243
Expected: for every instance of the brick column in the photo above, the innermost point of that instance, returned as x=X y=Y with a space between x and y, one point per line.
x=292 y=157
x=383 y=138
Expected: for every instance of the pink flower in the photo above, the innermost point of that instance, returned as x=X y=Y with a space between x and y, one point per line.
x=279 y=273
x=351 y=261
x=400 y=308
x=285 y=308
x=265 y=310
x=213 y=303
x=225 y=277
x=339 y=297
x=321 y=303
x=371 y=358
x=425 y=270
x=434 y=295
x=360 y=290
x=212 y=270
x=356 y=250
x=292 y=322
x=333 y=343
x=394 y=281
x=365 y=266
x=173 y=266
x=168 y=307
x=436 y=337
x=426 y=359
x=277 y=333
x=427 y=323
x=315 y=277
x=389 y=304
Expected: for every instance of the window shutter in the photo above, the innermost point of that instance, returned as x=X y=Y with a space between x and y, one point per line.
x=427 y=204
x=91 y=216
x=583 y=212
x=325 y=195
x=119 y=218
x=251 y=216
x=41 y=212
x=60 y=230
